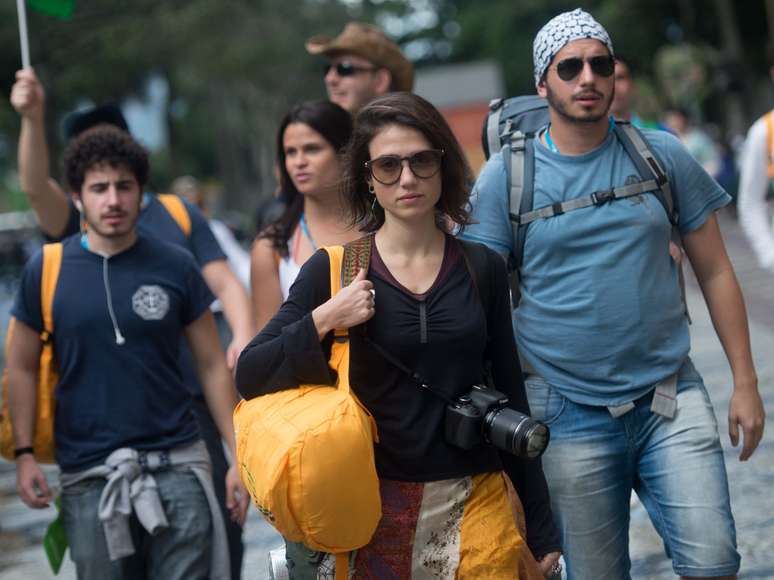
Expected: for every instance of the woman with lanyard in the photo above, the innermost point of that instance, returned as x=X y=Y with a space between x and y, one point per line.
x=417 y=310
x=309 y=142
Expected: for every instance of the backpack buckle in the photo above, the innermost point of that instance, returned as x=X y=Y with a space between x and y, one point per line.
x=495 y=104
x=602 y=197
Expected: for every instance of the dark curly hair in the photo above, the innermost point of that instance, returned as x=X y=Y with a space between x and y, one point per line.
x=335 y=125
x=406 y=110
x=103 y=144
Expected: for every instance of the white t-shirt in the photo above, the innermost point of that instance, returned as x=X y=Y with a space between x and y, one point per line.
x=753 y=187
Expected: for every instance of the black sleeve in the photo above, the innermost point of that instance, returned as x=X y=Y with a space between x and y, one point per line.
x=288 y=352
x=526 y=475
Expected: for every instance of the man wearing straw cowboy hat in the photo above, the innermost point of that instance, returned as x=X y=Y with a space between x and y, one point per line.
x=363 y=63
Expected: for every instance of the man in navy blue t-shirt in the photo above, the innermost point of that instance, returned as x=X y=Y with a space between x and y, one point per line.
x=58 y=219
x=137 y=493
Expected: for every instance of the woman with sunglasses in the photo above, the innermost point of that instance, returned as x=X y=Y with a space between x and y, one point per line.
x=310 y=139
x=416 y=311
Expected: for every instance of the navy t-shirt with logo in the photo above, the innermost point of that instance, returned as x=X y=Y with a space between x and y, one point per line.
x=114 y=395
x=156 y=221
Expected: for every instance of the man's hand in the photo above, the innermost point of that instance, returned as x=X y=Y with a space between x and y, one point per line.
x=237 y=498
x=31 y=484
x=235 y=349
x=746 y=410
x=27 y=95
x=676 y=252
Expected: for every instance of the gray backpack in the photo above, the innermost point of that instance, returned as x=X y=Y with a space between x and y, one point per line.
x=510 y=127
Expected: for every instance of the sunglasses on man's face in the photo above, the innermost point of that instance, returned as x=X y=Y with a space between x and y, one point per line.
x=346 y=68
x=387 y=169
x=569 y=68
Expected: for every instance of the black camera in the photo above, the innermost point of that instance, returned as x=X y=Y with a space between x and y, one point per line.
x=483 y=416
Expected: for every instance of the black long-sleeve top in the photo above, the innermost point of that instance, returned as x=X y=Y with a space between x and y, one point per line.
x=442 y=335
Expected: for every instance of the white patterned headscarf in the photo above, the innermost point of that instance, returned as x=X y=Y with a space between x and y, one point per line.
x=562 y=30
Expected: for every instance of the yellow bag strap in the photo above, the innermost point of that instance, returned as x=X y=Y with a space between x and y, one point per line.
x=176 y=208
x=345 y=262
x=342 y=566
x=52 y=262
x=340 y=335
x=769 y=118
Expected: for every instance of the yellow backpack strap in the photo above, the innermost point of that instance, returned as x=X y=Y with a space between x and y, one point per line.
x=52 y=262
x=176 y=208
x=769 y=118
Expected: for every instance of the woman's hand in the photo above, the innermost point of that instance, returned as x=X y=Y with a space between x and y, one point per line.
x=549 y=565
x=353 y=305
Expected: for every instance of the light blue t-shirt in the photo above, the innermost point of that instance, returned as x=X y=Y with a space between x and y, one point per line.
x=601 y=317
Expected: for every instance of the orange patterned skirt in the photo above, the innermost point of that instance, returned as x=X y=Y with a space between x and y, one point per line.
x=443 y=530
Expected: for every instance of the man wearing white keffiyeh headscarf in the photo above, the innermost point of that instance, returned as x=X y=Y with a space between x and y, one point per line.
x=602 y=330
x=561 y=30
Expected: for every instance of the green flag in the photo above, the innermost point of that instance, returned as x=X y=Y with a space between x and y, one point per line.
x=59 y=8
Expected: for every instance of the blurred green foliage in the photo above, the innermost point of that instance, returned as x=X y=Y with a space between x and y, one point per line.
x=235 y=66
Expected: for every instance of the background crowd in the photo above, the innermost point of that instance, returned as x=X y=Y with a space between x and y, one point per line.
x=701 y=94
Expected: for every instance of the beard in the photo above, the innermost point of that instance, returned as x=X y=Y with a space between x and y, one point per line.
x=562 y=108
x=96 y=226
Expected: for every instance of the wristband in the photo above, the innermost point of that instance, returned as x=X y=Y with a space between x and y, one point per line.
x=19 y=451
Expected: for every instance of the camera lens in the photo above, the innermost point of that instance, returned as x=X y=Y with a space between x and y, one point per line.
x=516 y=433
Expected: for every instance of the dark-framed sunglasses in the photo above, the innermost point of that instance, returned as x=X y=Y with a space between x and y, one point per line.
x=569 y=68
x=346 y=68
x=387 y=169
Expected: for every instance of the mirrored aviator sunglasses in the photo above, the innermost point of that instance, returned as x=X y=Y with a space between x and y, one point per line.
x=569 y=68
x=387 y=169
x=346 y=68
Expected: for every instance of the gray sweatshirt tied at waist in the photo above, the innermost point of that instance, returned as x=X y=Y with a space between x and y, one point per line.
x=132 y=487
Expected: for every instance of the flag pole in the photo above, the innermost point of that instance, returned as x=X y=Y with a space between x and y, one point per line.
x=21 y=10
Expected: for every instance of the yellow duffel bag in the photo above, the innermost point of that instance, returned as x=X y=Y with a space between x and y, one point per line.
x=306 y=454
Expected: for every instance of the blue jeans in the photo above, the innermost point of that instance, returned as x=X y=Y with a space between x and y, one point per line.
x=676 y=467
x=180 y=552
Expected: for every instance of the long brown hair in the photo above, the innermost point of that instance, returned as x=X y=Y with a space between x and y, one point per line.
x=335 y=125
x=405 y=110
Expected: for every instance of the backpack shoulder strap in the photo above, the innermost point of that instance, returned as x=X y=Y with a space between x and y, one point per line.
x=477 y=262
x=52 y=263
x=345 y=262
x=492 y=131
x=769 y=120
x=519 y=159
x=176 y=208
x=647 y=165
x=357 y=256
x=643 y=158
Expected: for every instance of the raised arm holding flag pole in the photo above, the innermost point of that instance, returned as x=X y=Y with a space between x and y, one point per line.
x=58 y=8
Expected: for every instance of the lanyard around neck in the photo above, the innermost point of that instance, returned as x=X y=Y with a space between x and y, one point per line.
x=552 y=146
x=305 y=229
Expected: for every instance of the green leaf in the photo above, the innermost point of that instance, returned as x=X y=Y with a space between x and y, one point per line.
x=55 y=540
x=58 y=8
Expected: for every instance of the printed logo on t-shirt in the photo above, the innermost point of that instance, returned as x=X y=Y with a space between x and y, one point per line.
x=631 y=180
x=150 y=302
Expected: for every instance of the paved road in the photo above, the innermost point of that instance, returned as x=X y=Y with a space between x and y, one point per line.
x=750 y=482
x=21 y=557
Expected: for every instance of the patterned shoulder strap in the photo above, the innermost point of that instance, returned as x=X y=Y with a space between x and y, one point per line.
x=357 y=256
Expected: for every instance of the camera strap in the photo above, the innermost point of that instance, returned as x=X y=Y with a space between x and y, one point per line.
x=479 y=269
x=423 y=384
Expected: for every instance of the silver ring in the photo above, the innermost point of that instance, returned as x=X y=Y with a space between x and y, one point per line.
x=373 y=293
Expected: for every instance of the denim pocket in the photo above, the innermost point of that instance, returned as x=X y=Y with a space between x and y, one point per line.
x=545 y=402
